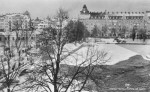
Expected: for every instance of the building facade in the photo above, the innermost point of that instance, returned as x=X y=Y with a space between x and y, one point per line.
x=14 y=21
x=2 y=22
x=7 y=20
x=115 y=20
x=41 y=23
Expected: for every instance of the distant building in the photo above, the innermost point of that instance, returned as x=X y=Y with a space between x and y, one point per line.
x=41 y=23
x=7 y=20
x=8 y=23
x=116 y=20
x=2 y=22
x=36 y=22
x=62 y=25
x=55 y=23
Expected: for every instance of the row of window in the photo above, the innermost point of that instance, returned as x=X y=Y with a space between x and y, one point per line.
x=117 y=17
x=97 y=17
x=110 y=22
x=125 y=12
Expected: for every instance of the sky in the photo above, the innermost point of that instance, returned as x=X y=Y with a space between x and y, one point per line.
x=44 y=8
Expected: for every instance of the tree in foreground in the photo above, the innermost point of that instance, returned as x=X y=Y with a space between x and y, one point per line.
x=12 y=59
x=60 y=68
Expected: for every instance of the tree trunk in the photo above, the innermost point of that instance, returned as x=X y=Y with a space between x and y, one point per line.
x=8 y=89
x=55 y=88
x=56 y=73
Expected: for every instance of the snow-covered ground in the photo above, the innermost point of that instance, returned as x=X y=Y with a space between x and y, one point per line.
x=111 y=40
x=143 y=50
x=115 y=52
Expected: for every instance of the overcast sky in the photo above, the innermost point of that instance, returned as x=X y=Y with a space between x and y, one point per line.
x=43 y=8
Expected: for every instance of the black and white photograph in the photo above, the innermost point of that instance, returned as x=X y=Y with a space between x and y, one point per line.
x=74 y=45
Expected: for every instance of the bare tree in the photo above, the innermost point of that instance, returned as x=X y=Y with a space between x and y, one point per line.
x=13 y=63
x=53 y=73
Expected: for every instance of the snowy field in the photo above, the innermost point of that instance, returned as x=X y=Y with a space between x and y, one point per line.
x=115 y=52
x=143 y=50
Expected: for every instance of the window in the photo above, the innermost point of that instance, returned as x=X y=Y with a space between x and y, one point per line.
x=0 y=38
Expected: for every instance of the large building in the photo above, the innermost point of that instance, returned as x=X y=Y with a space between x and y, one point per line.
x=47 y=22
x=118 y=20
x=14 y=21
x=7 y=21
